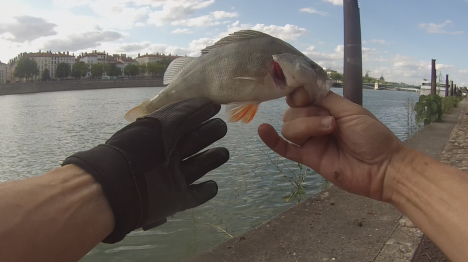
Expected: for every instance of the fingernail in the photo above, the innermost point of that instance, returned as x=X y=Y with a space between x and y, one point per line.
x=326 y=122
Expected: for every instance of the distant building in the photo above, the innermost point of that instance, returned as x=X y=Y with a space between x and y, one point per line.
x=329 y=71
x=94 y=57
x=148 y=58
x=3 y=71
x=44 y=60
x=49 y=60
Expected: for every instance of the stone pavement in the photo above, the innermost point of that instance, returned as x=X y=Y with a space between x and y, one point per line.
x=338 y=226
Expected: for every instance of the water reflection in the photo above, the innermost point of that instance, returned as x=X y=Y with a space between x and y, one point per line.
x=37 y=131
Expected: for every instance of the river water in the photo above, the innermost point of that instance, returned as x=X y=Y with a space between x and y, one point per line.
x=37 y=131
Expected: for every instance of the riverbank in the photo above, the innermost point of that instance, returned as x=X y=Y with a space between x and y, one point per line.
x=338 y=226
x=69 y=85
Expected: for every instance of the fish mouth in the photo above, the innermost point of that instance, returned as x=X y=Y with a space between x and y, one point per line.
x=278 y=76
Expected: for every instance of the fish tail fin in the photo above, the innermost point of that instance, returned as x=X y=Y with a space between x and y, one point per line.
x=136 y=112
x=244 y=111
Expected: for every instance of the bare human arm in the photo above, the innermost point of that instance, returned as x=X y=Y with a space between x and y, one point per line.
x=59 y=216
x=357 y=153
x=144 y=173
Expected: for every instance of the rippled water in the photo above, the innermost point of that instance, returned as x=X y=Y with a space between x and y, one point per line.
x=37 y=131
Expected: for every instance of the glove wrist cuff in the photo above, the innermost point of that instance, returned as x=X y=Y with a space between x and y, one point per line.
x=112 y=170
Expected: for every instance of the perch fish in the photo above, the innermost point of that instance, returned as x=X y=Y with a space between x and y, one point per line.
x=241 y=71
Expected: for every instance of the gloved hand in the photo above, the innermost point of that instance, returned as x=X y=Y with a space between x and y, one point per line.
x=147 y=168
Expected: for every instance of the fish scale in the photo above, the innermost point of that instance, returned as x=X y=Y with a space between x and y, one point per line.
x=241 y=71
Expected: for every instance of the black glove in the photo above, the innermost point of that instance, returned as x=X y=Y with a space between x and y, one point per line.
x=147 y=168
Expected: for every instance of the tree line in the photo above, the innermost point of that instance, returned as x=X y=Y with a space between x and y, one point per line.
x=365 y=79
x=27 y=68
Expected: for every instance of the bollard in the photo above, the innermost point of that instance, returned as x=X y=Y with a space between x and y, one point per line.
x=433 y=77
x=446 y=85
x=352 y=87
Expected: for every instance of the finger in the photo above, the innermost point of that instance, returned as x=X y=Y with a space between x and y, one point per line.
x=340 y=107
x=197 y=166
x=300 y=112
x=283 y=148
x=300 y=130
x=199 y=194
x=187 y=114
x=298 y=98
x=203 y=136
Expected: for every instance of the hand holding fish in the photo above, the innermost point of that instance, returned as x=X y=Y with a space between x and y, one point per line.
x=350 y=148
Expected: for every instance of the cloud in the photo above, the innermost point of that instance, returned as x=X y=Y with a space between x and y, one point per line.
x=218 y=15
x=334 y=2
x=313 y=11
x=181 y=31
x=439 y=28
x=176 y=10
x=206 y=20
x=82 y=41
x=134 y=47
x=287 y=32
x=382 y=42
x=27 y=28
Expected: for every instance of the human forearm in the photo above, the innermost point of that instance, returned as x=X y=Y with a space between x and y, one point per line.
x=59 y=216
x=432 y=194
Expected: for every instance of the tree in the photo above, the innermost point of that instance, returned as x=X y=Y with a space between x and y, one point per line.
x=131 y=70
x=63 y=70
x=26 y=68
x=336 y=76
x=45 y=75
x=143 y=68
x=156 y=69
x=79 y=70
x=112 y=70
x=97 y=70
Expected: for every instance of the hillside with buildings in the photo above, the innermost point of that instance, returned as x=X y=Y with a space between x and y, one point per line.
x=50 y=66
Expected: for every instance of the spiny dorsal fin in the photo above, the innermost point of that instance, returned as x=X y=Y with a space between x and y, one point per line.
x=238 y=36
x=175 y=67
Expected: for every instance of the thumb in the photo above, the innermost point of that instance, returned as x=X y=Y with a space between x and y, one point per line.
x=199 y=194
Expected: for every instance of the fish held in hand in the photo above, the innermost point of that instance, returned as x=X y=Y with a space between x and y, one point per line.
x=241 y=71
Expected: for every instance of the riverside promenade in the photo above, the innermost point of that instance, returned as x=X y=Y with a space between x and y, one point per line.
x=338 y=226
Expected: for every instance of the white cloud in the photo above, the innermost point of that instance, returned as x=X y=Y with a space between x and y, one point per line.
x=86 y=40
x=27 y=28
x=382 y=42
x=327 y=60
x=335 y=2
x=287 y=32
x=205 y=20
x=218 y=15
x=313 y=11
x=176 y=10
x=181 y=31
x=439 y=28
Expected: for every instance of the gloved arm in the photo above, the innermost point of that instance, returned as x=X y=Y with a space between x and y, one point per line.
x=148 y=168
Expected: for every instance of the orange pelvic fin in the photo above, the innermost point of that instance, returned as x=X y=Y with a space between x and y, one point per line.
x=242 y=111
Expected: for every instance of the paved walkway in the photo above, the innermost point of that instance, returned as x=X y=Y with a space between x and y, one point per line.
x=338 y=226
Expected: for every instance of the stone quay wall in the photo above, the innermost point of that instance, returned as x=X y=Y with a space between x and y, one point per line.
x=68 y=85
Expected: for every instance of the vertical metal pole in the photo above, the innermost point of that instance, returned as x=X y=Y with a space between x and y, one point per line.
x=352 y=52
x=451 y=88
x=433 y=77
x=446 y=85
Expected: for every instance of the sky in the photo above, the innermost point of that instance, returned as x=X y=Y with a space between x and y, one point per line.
x=399 y=37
